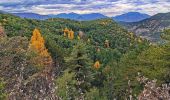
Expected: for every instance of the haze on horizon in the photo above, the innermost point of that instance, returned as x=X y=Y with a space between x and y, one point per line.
x=106 y=7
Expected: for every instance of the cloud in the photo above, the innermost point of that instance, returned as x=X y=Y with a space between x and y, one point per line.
x=106 y=7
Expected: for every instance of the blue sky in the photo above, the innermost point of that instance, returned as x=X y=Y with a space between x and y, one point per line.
x=106 y=7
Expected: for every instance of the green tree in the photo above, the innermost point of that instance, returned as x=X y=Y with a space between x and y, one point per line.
x=81 y=65
x=94 y=94
x=65 y=89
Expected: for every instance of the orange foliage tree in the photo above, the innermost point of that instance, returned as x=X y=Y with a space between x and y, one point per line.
x=69 y=33
x=37 y=44
x=66 y=31
x=97 y=65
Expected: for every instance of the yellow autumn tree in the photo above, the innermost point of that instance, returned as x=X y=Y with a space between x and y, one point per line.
x=37 y=41
x=37 y=44
x=66 y=31
x=71 y=34
x=97 y=65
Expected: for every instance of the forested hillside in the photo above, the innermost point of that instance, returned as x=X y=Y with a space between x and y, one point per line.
x=59 y=59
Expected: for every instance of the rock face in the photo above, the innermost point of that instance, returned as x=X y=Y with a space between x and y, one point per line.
x=24 y=81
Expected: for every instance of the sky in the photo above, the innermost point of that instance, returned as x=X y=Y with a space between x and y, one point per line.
x=106 y=7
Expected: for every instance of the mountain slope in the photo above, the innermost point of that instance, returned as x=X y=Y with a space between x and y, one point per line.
x=150 y=28
x=131 y=17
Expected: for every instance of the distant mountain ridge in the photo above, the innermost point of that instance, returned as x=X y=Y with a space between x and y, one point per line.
x=79 y=17
x=131 y=17
x=73 y=16
x=128 y=17
x=31 y=16
x=150 y=28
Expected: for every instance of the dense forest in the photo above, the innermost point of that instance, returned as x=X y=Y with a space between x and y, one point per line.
x=61 y=59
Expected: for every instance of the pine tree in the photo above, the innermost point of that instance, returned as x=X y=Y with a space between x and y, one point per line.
x=80 y=64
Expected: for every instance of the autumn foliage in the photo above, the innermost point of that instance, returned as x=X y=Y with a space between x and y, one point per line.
x=69 y=33
x=37 y=41
x=97 y=65
x=66 y=31
x=37 y=44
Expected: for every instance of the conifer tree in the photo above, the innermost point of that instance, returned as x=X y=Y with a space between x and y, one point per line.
x=81 y=65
